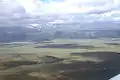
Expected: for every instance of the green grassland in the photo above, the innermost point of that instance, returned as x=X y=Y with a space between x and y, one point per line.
x=26 y=65
x=30 y=47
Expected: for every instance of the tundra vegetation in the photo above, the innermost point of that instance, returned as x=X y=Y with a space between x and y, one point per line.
x=60 y=59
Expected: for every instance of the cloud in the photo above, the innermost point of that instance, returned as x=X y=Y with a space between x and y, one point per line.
x=68 y=6
x=38 y=7
x=13 y=12
x=10 y=8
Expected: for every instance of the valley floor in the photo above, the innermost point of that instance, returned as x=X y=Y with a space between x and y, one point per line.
x=60 y=59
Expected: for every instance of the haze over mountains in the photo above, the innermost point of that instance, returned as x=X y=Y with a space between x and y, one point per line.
x=30 y=19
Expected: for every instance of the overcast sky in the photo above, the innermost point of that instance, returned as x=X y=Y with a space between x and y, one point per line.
x=69 y=6
x=85 y=9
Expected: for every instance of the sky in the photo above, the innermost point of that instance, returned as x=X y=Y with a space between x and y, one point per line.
x=69 y=6
x=59 y=11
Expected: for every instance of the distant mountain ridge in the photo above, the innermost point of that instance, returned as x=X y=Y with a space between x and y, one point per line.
x=11 y=34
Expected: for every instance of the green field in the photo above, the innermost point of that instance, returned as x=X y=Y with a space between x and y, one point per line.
x=29 y=47
x=28 y=54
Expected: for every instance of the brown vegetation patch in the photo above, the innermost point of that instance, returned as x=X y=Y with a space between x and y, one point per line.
x=71 y=46
x=50 y=59
x=116 y=44
x=10 y=64
x=98 y=55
